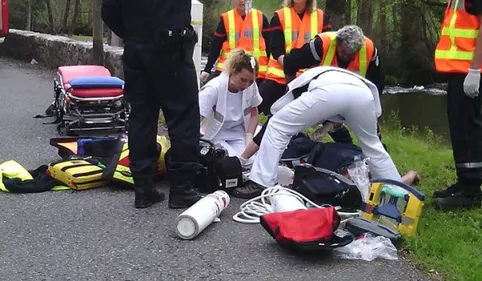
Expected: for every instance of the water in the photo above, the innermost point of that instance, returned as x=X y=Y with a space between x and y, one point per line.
x=423 y=107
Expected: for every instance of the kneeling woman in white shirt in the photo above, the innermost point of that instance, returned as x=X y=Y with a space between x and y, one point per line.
x=228 y=104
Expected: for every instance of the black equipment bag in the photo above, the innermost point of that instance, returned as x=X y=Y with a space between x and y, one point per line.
x=323 y=186
x=209 y=155
x=229 y=173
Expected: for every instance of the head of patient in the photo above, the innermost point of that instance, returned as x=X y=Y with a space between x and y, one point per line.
x=242 y=69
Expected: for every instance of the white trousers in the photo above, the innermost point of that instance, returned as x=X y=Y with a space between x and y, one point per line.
x=355 y=103
x=234 y=147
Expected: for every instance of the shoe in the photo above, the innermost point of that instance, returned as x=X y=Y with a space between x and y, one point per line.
x=146 y=196
x=454 y=188
x=458 y=200
x=183 y=198
x=248 y=191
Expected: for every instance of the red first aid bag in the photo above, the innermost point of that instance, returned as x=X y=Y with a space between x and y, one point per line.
x=305 y=230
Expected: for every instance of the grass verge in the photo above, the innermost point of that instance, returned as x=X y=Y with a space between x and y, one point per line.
x=449 y=244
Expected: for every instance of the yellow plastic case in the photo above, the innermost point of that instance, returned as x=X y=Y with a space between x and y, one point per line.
x=77 y=174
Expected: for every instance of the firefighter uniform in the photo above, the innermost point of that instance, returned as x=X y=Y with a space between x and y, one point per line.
x=248 y=31
x=289 y=30
x=160 y=74
x=453 y=56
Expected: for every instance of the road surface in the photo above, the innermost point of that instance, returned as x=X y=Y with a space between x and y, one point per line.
x=98 y=235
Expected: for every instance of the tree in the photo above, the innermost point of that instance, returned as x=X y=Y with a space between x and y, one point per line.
x=98 y=34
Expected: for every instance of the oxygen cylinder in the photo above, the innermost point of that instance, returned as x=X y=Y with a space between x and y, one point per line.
x=283 y=201
x=200 y=215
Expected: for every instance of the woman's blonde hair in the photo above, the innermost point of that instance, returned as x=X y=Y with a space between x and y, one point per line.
x=310 y=4
x=238 y=60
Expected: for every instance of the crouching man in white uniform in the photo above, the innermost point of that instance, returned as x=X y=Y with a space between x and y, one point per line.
x=228 y=104
x=333 y=94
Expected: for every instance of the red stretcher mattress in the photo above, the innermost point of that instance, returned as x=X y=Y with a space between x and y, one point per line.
x=68 y=73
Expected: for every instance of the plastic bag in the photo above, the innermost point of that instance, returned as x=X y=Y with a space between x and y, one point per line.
x=359 y=174
x=368 y=247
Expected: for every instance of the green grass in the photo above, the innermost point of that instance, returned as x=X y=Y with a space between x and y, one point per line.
x=85 y=38
x=448 y=245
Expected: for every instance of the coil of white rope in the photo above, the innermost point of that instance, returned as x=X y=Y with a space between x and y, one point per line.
x=253 y=209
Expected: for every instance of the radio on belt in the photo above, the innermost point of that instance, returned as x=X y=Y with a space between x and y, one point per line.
x=200 y=215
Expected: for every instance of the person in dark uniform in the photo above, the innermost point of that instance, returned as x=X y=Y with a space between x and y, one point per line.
x=458 y=55
x=159 y=74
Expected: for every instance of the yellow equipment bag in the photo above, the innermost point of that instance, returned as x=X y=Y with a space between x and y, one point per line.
x=77 y=174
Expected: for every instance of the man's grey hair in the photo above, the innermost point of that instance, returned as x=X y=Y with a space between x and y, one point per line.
x=352 y=38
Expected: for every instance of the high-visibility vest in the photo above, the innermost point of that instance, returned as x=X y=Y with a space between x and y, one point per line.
x=296 y=33
x=455 y=49
x=122 y=173
x=359 y=64
x=246 y=34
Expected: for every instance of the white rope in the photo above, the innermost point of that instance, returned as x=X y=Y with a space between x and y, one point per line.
x=251 y=210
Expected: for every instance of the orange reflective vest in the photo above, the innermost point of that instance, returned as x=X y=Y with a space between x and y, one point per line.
x=246 y=34
x=359 y=64
x=455 y=49
x=297 y=32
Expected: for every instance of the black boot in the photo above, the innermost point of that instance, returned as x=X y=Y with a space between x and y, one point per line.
x=454 y=188
x=146 y=195
x=183 y=196
x=459 y=195
x=183 y=192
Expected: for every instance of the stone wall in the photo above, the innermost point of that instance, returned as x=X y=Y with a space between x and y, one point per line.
x=54 y=51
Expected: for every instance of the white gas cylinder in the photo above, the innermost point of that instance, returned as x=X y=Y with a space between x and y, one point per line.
x=200 y=215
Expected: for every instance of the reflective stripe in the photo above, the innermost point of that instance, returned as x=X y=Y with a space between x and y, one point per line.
x=60 y=188
x=218 y=116
x=331 y=49
x=313 y=50
x=121 y=173
x=232 y=30
x=314 y=24
x=288 y=29
x=469 y=165
x=362 y=54
x=277 y=72
x=255 y=24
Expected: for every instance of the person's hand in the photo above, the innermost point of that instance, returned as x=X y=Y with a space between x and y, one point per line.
x=242 y=160
x=204 y=76
x=472 y=83
x=249 y=137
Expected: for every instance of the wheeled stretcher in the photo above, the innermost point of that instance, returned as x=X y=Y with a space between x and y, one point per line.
x=88 y=97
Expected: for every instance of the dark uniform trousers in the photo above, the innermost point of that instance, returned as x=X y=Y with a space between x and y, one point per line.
x=465 y=124
x=160 y=78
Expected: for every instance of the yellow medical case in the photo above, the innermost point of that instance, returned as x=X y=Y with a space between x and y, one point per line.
x=77 y=174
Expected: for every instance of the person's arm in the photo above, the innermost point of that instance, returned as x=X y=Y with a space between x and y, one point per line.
x=254 y=114
x=307 y=56
x=375 y=72
x=111 y=13
x=477 y=60
x=277 y=41
x=216 y=45
x=266 y=33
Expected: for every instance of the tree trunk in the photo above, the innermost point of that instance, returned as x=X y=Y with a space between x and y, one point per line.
x=50 y=14
x=98 y=34
x=337 y=11
x=75 y=18
x=66 y=16
x=365 y=16
x=382 y=23
x=28 y=23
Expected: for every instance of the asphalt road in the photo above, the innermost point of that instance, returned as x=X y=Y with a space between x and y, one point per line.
x=98 y=235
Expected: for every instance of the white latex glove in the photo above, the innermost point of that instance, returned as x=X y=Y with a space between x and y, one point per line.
x=242 y=160
x=249 y=137
x=204 y=76
x=472 y=83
